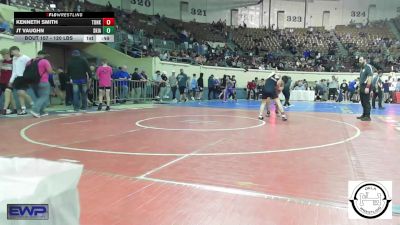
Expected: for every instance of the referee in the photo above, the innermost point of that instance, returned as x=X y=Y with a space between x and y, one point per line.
x=365 y=85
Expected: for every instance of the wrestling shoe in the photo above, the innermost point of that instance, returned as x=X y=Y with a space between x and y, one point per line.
x=268 y=114
x=366 y=118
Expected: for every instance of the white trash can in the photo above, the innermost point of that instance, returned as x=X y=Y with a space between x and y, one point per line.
x=37 y=191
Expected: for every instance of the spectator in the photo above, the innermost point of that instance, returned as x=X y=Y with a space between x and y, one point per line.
x=79 y=71
x=65 y=86
x=344 y=88
x=211 y=87
x=200 y=83
x=173 y=83
x=4 y=26
x=251 y=87
x=17 y=80
x=122 y=77
x=43 y=89
x=182 y=84
x=352 y=89
x=386 y=95
x=157 y=81
x=286 y=91
x=398 y=85
x=193 y=87
x=138 y=85
x=333 y=86
x=163 y=85
x=92 y=85
x=5 y=88
x=377 y=90
x=104 y=73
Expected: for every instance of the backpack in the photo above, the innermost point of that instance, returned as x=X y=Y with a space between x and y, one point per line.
x=31 y=73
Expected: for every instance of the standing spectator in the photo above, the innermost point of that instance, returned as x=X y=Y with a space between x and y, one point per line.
x=193 y=87
x=173 y=83
x=104 y=73
x=17 y=80
x=79 y=71
x=377 y=90
x=4 y=26
x=352 y=88
x=251 y=87
x=182 y=84
x=43 y=89
x=163 y=85
x=157 y=82
x=211 y=87
x=65 y=86
x=344 y=88
x=286 y=91
x=333 y=86
x=5 y=88
x=233 y=79
x=122 y=77
x=138 y=85
x=200 y=83
x=386 y=95
x=92 y=85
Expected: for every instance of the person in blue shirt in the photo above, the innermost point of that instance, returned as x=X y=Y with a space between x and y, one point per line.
x=4 y=26
x=352 y=88
x=193 y=87
x=122 y=77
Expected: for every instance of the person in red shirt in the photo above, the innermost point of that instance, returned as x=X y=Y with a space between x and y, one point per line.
x=251 y=88
x=5 y=75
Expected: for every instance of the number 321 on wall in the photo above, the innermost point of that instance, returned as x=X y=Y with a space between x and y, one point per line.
x=199 y=12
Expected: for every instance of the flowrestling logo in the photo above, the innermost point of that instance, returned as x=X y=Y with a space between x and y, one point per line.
x=371 y=200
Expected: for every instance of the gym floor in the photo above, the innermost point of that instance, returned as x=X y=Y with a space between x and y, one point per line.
x=216 y=163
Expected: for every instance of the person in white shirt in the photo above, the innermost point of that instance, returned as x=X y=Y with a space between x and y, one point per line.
x=17 y=79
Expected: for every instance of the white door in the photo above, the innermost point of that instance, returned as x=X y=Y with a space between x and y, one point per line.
x=234 y=17
x=325 y=19
x=184 y=11
x=371 y=13
x=280 y=23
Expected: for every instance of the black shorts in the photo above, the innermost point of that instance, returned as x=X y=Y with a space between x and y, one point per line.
x=182 y=90
x=3 y=87
x=272 y=95
x=20 y=84
x=104 y=88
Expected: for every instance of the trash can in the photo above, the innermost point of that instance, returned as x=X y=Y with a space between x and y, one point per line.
x=37 y=191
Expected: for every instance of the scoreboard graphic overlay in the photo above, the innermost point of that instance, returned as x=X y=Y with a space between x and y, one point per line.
x=64 y=26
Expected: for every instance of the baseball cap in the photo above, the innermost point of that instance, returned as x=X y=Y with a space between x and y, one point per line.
x=4 y=51
x=76 y=53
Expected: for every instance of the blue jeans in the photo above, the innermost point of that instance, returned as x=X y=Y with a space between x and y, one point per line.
x=79 y=93
x=43 y=98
